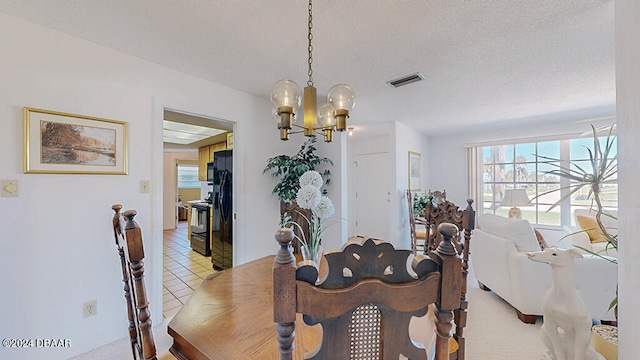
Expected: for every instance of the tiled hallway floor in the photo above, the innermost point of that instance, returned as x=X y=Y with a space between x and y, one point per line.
x=183 y=269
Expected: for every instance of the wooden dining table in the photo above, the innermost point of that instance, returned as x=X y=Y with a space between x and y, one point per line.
x=230 y=316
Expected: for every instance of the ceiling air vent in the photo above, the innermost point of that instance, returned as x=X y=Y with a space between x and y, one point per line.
x=406 y=80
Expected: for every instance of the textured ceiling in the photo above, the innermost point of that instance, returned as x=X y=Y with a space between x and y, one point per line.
x=484 y=61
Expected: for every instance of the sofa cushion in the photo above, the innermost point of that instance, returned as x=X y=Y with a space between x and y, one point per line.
x=609 y=218
x=590 y=226
x=516 y=230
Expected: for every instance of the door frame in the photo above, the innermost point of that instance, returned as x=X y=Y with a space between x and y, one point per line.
x=157 y=167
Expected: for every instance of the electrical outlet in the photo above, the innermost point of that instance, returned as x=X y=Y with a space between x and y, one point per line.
x=90 y=308
x=144 y=186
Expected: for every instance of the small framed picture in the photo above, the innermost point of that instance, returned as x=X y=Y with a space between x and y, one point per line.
x=61 y=143
x=415 y=171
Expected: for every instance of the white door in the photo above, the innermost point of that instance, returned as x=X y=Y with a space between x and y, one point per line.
x=373 y=195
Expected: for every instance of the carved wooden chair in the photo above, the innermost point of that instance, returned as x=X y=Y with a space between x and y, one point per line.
x=447 y=212
x=417 y=227
x=131 y=251
x=366 y=298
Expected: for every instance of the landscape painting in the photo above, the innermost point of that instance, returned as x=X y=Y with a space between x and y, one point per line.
x=65 y=143
x=75 y=144
x=415 y=171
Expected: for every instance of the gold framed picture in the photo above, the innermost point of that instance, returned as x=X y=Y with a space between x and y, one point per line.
x=415 y=171
x=61 y=143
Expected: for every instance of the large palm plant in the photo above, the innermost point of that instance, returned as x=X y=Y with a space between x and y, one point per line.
x=601 y=170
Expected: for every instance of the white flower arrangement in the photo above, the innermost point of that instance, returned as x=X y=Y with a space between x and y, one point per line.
x=308 y=197
x=312 y=178
x=320 y=208
x=325 y=208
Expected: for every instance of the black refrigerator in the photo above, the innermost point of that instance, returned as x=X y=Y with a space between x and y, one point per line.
x=222 y=237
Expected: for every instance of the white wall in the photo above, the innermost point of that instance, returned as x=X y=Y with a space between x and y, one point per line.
x=336 y=235
x=170 y=185
x=628 y=108
x=407 y=139
x=56 y=248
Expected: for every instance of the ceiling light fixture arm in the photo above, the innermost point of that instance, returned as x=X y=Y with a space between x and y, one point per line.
x=323 y=132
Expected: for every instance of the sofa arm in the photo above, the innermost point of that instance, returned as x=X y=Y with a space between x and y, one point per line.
x=595 y=279
x=489 y=260
x=578 y=239
x=530 y=281
x=605 y=249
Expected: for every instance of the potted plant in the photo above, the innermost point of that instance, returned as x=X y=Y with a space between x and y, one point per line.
x=602 y=169
x=605 y=341
x=421 y=200
x=288 y=169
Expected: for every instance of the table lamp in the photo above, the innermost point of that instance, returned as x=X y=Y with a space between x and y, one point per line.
x=515 y=198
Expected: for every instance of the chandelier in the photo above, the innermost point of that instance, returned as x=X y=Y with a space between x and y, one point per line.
x=286 y=97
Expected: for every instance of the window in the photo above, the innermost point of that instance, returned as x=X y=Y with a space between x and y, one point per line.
x=188 y=176
x=525 y=166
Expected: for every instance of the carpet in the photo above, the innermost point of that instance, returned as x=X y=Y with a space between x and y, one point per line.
x=121 y=349
x=494 y=332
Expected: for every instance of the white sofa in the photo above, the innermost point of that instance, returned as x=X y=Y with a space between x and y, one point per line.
x=500 y=263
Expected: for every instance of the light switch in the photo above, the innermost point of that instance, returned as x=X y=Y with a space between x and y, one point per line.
x=9 y=188
x=144 y=186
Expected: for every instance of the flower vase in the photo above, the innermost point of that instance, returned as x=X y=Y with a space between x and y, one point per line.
x=297 y=215
x=310 y=254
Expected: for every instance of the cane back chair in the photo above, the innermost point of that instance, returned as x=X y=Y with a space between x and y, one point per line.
x=366 y=298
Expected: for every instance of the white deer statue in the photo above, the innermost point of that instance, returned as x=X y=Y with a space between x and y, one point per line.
x=566 y=328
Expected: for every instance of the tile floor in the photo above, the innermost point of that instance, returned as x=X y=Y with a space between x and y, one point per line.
x=183 y=269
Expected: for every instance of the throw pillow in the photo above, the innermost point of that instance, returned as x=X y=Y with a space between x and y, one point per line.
x=590 y=226
x=541 y=242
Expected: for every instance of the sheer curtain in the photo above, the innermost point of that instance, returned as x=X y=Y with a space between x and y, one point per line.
x=474 y=176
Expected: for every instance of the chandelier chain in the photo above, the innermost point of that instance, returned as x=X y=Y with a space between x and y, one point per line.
x=310 y=47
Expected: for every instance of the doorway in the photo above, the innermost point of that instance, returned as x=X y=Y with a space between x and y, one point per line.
x=183 y=269
x=183 y=135
x=373 y=195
